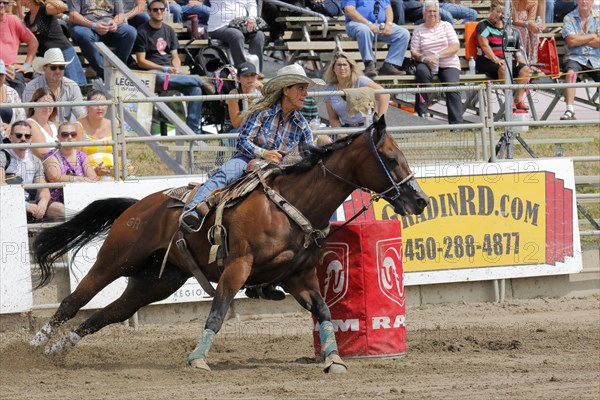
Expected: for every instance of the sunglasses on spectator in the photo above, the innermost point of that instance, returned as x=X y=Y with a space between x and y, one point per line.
x=4 y=2
x=65 y=135
x=158 y=9
x=55 y=67
x=20 y=135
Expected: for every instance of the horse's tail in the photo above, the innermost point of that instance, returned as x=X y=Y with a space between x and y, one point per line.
x=93 y=221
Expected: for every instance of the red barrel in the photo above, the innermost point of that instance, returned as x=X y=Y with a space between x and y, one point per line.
x=361 y=279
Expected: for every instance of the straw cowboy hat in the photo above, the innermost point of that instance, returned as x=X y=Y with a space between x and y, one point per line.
x=51 y=57
x=288 y=76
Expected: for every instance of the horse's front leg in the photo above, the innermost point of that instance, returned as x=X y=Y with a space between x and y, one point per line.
x=306 y=291
x=232 y=280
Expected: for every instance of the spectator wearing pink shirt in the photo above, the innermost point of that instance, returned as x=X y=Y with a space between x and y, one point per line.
x=12 y=33
x=435 y=46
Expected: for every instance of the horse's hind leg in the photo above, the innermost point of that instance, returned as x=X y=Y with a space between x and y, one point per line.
x=306 y=291
x=142 y=289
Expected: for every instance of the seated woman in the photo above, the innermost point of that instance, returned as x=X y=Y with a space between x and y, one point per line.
x=67 y=164
x=490 y=53
x=224 y=11
x=435 y=46
x=96 y=127
x=343 y=73
x=41 y=120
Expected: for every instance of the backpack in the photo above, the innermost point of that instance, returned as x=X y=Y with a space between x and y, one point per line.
x=208 y=59
x=224 y=80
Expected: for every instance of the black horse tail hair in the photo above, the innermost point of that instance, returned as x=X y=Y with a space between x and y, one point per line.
x=93 y=221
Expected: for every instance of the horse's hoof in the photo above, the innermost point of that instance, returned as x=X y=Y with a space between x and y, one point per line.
x=39 y=339
x=200 y=364
x=334 y=365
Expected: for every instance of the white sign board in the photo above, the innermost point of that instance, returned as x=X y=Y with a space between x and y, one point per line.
x=15 y=273
x=124 y=89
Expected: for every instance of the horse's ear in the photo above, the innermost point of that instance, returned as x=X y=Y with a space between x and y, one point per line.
x=380 y=131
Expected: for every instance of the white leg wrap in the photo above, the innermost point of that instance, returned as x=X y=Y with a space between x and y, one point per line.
x=42 y=336
x=63 y=345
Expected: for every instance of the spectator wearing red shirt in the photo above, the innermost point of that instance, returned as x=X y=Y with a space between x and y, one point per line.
x=12 y=33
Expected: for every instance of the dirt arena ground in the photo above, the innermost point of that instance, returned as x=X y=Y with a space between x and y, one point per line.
x=526 y=349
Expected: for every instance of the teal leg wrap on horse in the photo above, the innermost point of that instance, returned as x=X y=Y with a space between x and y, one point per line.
x=203 y=346
x=327 y=336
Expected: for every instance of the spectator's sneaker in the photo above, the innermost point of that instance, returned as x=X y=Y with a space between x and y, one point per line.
x=568 y=116
x=370 y=70
x=520 y=106
x=389 y=69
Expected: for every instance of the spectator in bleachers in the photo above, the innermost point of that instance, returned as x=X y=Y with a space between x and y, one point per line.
x=156 y=50
x=104 y=21
x=581 y=31
x=41 y=120
x=343 y=73
x=224 y=11
x=96 y=127
x=135 y=12
x=249 y=84
x=559 y=9
x=21 y=166
x=41 y=20
x=8 y=95
x=67 y=164
x=367 y=18
x=524 y=13
x=490 y=53
x=182 y=9
x=12 y=34
x=435 y=46
x=52 y=67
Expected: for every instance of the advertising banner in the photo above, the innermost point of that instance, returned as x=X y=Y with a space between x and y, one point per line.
x=15 y=270
x=126 y=90
x=488 y=221
x=360 y=276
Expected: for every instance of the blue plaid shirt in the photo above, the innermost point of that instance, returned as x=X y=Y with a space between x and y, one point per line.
x=267 y=130
x=572 y=26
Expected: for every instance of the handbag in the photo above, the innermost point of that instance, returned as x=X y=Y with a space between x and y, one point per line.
x=239 y=23
x=548 y=56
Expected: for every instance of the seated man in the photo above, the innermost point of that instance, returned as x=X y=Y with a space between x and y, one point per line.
x=156 y=49
x=582 y=49
x=52 y=67
x=104 y=21
x=367 y=18
x=21 y=164
x=135 y=12
x=12 y=33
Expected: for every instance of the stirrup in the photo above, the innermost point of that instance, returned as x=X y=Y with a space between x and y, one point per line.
x=185 y=227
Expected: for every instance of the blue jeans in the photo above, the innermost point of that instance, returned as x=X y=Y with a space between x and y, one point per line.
x=558 y=7
x=456 y=11
x=189 y=85
x=122 y=41
x=74 y=71
x=229 y=172
x=398 y=40
x=183 y=12
x=138 y=20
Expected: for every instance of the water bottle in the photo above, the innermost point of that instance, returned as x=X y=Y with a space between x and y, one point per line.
x=369 y=118
x=538 y=20
x=315 y=123
x=168 y=18
x=195 y=34
x=472 y=66
x=436 y=68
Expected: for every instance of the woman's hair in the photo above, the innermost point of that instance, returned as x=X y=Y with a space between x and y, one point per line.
x=38 y=94
x=429 y=3
x=263 y=103
x=62 y=125
x=329 y=74
x=495 y=4
x=93 y=93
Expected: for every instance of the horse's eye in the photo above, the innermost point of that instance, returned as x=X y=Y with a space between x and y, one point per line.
x=392 y=161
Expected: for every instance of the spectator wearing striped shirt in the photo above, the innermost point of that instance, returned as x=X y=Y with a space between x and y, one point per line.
x=435 y=46
x=273 y=126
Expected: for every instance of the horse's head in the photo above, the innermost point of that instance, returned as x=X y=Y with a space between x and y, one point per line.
x=390 y=176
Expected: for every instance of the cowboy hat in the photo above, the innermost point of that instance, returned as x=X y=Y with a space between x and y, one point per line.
x=288 y=76
x=51 y=57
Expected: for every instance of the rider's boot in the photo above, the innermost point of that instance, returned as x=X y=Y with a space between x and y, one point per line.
x=191 y=221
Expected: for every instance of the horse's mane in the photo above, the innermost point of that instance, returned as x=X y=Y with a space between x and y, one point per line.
x=315 y=154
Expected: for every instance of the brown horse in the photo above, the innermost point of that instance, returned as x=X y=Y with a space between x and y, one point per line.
x=265 y=245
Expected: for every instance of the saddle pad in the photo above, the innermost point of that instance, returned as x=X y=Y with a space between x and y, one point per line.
x=180 y=193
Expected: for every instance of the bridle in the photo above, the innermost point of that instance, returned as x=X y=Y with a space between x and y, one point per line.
x=395 y=187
